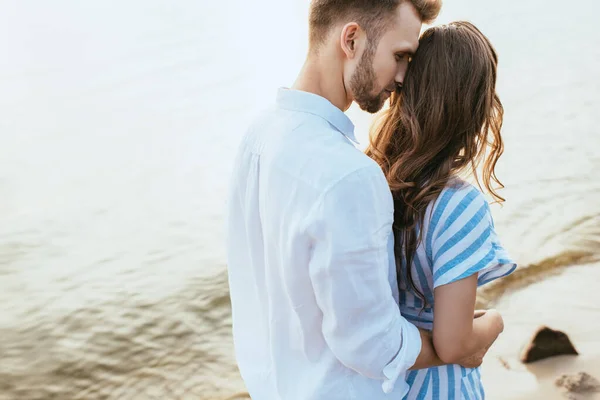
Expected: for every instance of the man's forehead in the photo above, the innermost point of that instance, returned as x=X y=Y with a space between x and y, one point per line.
x=402 y=40
x=406 y=27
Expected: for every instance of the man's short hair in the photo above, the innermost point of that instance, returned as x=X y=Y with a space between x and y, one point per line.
x=372 y=15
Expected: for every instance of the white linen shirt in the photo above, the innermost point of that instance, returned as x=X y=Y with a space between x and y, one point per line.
x=310 y=260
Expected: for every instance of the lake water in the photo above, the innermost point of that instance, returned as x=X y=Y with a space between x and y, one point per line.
x=118 y=124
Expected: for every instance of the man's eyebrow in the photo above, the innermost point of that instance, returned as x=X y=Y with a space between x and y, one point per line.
x=407 y=48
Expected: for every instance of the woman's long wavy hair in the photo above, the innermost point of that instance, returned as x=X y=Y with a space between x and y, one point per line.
x=445 y=121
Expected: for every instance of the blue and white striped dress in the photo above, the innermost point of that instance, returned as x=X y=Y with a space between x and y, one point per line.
x=458 y=241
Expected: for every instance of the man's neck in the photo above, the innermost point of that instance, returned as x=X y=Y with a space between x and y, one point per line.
x=323 y=76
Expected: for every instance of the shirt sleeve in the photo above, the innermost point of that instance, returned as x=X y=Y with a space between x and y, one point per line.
x=464 y=241
x=350 y=229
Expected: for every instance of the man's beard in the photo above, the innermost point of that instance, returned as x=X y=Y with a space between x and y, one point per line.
x=362 y=83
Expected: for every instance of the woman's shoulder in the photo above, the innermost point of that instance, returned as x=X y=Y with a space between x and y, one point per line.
x=461 y=239
x=458 y=185
x=458 y=193
x=459 y=204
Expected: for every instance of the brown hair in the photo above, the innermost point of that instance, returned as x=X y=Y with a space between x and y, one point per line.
x=445 y=118
x=372 y=15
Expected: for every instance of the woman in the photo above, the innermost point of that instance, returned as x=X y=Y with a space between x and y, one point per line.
x=443 y=123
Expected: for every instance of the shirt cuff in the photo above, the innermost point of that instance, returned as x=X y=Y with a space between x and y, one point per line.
x=410 y=347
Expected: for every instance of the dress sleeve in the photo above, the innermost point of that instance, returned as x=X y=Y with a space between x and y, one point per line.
x=463 y=241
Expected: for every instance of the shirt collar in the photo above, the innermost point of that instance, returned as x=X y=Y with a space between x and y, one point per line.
x=311 y=103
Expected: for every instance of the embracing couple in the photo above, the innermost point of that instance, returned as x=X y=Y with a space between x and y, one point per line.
x=353 y=275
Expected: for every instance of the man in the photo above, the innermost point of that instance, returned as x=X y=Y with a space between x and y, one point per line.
x=310 y=245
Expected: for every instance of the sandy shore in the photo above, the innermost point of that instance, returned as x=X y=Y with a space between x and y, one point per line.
x=564 y=302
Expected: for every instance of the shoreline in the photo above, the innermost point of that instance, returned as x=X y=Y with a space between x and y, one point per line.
x=552 y=302
x=180 y=344
x=524 y=277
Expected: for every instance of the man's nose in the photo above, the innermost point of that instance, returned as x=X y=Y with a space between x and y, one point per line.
x=400 y=75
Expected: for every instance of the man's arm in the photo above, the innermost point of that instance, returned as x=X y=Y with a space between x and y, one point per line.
x=427 y=357
x=349 y=228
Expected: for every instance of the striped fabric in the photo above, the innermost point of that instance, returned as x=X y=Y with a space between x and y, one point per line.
x=458 y=241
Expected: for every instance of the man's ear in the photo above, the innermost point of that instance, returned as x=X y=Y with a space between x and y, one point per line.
x=349 y=37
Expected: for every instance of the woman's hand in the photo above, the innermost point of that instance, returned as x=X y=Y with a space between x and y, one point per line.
x=475 y=360
x=495 y=319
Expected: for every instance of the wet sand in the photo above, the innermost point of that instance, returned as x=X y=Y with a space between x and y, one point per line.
x=557 y=303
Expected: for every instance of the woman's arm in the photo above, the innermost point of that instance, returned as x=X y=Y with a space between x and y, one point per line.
x=456 y=334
